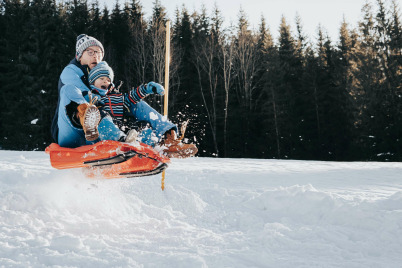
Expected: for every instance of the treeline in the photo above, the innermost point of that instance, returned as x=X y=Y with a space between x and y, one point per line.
x=246 y=94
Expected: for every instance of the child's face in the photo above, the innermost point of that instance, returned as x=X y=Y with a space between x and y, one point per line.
x=102 y=82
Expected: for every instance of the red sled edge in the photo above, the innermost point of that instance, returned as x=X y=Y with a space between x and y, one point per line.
x=109 y=159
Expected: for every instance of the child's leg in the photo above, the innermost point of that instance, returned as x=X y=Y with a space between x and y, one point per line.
x=159 y=124
x=148 y=136
x=108 y=130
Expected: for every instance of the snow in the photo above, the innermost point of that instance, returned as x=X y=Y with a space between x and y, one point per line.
x=213 y=213
x=153 y=116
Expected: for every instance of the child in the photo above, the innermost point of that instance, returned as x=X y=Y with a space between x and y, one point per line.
x=115 y=106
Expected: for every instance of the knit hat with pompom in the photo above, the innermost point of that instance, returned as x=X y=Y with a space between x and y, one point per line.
x=85 y=41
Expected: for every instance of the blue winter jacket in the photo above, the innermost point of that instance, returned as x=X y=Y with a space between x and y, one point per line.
x=72 y=83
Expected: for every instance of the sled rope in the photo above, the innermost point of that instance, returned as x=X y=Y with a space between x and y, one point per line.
x=166 y=99
x=183 y=129
x=92 y=100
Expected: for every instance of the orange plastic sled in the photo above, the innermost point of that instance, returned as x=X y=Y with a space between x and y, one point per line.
x=109 y=159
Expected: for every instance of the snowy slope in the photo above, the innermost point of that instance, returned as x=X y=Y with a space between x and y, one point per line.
x=213 y=213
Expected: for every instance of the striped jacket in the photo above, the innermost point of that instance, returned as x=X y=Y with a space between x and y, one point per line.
x=116 y=103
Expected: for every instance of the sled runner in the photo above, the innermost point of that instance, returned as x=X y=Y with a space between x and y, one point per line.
x=109 y=159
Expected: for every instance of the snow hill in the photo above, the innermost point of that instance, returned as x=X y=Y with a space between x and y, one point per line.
x=213 y=213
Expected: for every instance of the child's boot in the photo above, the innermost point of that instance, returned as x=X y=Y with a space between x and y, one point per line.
x=175 y=147
x=131 y=136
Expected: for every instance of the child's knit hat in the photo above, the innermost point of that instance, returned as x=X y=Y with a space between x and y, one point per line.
x=83 y=42
x=100 y=70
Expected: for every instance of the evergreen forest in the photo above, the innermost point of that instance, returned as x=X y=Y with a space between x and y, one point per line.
x=245 y=93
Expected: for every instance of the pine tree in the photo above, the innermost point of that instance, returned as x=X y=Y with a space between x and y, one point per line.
x=187 y=102
x=265 y=48
x=15 y=15
x=390 y=146
x=394 y=63
x=322 y=91
x=3 y=64
x=77 y=18
x=206 y=53
x=303 y=111
x=288 y=91
x=95 y=22
x=301 y=37
x=246 y=87
x=118 y=43
x=33 y=79
x=343 y=87
x=270 y=105
x=225 y=59
x=176 y=58
x=312 y=114
x=106 y=34
x=157 y=42
x=45 y=33
x=137 y=54
x=368 y=77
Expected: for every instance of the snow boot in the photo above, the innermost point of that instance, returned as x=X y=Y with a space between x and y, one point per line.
x=131 y=136
x=90 y=117
x=175 y=147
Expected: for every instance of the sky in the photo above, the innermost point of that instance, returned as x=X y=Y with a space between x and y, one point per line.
x=328 y=13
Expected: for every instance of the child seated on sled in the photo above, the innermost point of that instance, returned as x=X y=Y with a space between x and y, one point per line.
x=115 y=107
